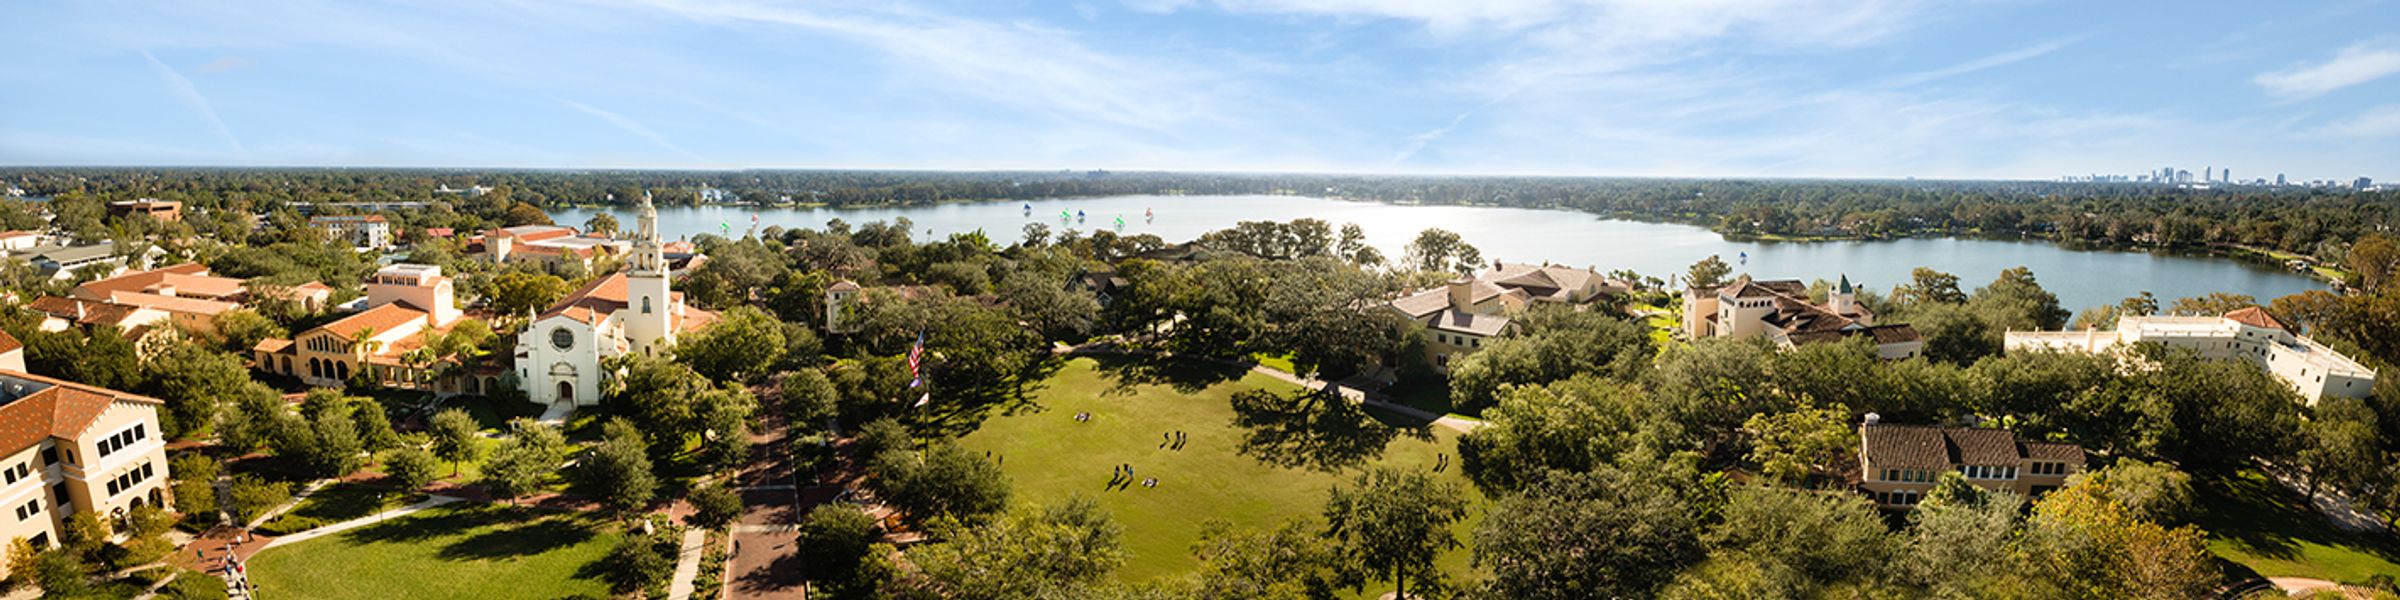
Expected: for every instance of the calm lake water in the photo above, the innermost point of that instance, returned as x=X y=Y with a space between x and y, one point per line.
x=2081 y=278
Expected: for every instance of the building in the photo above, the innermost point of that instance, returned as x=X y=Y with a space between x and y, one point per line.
x=1780 y=311
x=1459 y=316
x=363 y=231
x=62 y=262
x=70 y=448
x=546 y=244
x=1898 y=464
x=11 y=241
x=2250 y=334
x=185 y=296
x=558 y=356
x=841 y=299
x=405 y=305
x=163 y=210
x=2363 y=183
x=12 y=353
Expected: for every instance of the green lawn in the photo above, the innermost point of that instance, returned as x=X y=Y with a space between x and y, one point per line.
x=1253 y=467
x=334 y=504
x=2260 y=525
x=454 y=551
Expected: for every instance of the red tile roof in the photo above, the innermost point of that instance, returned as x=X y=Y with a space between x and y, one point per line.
x=8 y=343
x=380 y=319
x=64 y=409
x=2255 y=317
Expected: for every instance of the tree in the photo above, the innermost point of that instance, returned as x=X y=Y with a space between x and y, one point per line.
x=2375 y=258
x=833 y=544
x=724 y=423
x=62 y=573
x=1552 y=344
x=1708 y=273
x=1607 y=533
x=84 y=534
x=1396 y=522
x=519 y=292
x=521 y=214
x=1440 y=250
x=2016 y=301
x=2340 y=446
x=1955 y=334
x=807 y=396
x=942 y=481
x=454 y=437
x=2150 y=491
x=2213 y=304
x=663 y=396
x=715 y=506
x=602 y=223
x=375 y=432
x=618 y=471
x=520 y=464
x=1792 y=446
x=640 y=561
x=1824 y=538
x=195 y=484
x=1030 y=553
x=253 y=497
x=1290 y=561
x=1958 y=539
x=335 y=450
x=744 y=343
x=2085 y=545
x=412 y=468
x=23 y=558
x=1054 y=310
x=194 y=381
x=241 y=329
x=1927 y=286
x=1570 y=426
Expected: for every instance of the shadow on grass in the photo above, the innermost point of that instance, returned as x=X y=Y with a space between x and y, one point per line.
x=2270 y=521
x=1311 y=430
x=1185 y=376
x=525 y=540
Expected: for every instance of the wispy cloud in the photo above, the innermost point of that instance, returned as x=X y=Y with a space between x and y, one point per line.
x=2354 y=65
x=1997 y=60
x=631 y=126
x=2378 y=122
x=183 y=90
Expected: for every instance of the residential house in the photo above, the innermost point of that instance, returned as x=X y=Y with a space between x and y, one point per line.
x=2249 y=334
x=405 y=304
x=12 y=241
x=363 y=231
x=68 y=448
x=1898 y=464
x=1462 y=314
x=1780 y=310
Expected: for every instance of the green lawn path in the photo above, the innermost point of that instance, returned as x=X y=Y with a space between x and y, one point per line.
x=1049 y=456
x=461 y=550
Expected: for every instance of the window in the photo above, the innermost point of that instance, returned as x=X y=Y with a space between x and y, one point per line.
x=561 y=338
x=49 y=456
x=645 y=305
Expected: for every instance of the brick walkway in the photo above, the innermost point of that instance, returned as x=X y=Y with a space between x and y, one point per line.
x=765 y=560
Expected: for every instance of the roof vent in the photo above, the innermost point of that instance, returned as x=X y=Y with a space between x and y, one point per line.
x=1873 y=418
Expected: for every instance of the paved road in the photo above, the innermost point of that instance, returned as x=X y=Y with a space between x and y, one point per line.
x=765 y=561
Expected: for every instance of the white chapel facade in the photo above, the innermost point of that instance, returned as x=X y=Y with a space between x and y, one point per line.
x=559 y=354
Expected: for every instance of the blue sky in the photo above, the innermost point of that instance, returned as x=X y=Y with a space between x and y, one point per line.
x=1787 y=88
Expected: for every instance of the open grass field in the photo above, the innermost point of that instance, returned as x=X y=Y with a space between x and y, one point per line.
x=458 y=551
x=2270 y=530
x=1251 y=465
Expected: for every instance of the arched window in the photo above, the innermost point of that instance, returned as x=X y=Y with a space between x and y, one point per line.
x=343 y=369
x=645 y=305
x=315 y=369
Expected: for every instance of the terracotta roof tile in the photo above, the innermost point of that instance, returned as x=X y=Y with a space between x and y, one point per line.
x=2255 y=317
x=62 y=409
x=380 y=319
x=8 y=343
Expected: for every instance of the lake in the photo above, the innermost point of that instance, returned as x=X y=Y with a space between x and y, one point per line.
x=2081 y=278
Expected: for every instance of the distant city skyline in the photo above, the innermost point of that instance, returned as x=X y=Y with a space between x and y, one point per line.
x=1724 y=88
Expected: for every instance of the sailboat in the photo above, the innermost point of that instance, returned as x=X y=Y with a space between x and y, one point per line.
x=1120 y=222
x=1063 y=216
x=1029 y=209
x=1745 y=257
x=1079 y=216
x=1149 y=215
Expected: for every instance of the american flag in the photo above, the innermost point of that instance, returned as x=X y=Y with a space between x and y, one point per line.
x=916 y=355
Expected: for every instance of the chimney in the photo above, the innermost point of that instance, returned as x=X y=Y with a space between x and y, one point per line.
x=1462 y=293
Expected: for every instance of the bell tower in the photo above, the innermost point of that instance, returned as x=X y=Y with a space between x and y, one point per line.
x=649 y=324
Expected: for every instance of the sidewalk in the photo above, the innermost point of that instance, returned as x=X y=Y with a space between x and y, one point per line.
x=688 y=566
x=361 y=521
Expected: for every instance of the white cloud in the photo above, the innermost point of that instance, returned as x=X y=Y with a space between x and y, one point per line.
x=2352 y=66
x=1988 y=62
x=2378 y=122
x=631 y=126
x=183 y=90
